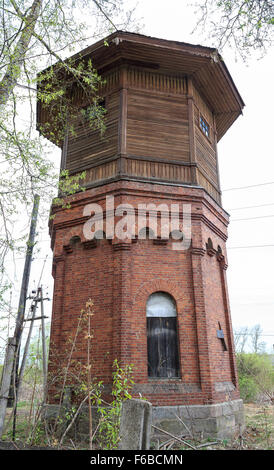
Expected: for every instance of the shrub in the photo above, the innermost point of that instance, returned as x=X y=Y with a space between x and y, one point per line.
x=256 y=376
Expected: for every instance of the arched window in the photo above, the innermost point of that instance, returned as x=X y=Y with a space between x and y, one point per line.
x=146 y=233
x=162 y=341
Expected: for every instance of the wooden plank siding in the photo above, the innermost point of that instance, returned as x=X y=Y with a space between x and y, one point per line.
x=157 y=126
x=155 y=61
x=205 y=148
x=101 y=172
x=158 y=170
x=159 y=82
x=152 y=133
x=209 y=187
x=88 y=144
x=206 y=157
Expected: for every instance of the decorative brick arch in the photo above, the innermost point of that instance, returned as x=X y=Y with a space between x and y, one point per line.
x=77 y=232
x=158 y=285
x=63 y=238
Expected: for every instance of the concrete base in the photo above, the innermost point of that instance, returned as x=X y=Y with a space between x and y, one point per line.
x=222 y=420
x=135 y=425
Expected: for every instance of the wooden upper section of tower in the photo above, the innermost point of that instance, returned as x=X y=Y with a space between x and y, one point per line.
x=167 y=105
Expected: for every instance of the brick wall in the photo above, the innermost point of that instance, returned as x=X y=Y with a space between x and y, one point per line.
x=120 y=276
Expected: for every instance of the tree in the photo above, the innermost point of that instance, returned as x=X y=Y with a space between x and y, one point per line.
x=250 y=338
x=256 y=376
x=246 y=25
x=34 y=35
x=240 y=338
x=258 y=346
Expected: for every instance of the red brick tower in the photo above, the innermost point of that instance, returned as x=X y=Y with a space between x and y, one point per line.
x=164 y=310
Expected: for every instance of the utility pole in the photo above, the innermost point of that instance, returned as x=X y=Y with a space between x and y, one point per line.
x=25 y=279
x=9 y=377
x=44 y=346
x=23 y=362
x=36 y=299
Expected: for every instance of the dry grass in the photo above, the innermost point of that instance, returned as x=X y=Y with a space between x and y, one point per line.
x=257 y=435
x=259 y=432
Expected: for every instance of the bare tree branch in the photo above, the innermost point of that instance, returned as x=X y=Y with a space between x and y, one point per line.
x=246 y=25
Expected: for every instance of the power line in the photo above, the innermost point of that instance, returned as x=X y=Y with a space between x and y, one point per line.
x=251 y=218
x=250 y=207
x=19 y=258
x=250 y=186
x=248 y=246
x=248 y=334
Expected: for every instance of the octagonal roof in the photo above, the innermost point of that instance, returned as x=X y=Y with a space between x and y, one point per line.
x=204 y=64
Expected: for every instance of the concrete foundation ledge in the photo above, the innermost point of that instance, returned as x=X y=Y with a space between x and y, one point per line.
x=220 y=420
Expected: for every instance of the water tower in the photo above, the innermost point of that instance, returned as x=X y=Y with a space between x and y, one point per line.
x=162 y=309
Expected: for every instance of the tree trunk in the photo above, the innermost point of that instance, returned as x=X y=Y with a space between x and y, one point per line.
x=12 y=74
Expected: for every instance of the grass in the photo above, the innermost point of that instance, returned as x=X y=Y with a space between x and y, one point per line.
x=259 y=433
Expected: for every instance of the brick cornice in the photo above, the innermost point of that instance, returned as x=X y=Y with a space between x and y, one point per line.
x=123 y=246
x=198 y=251
x=58 y=259
x=76 y=221
x=148 y=189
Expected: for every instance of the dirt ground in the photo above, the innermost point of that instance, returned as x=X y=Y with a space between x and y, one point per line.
x=258 y=434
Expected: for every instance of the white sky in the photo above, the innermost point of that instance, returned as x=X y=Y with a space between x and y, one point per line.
x=245 y=158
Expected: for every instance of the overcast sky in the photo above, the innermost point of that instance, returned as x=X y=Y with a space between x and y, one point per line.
x=245 y=159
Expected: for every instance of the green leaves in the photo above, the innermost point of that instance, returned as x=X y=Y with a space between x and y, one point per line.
x=110 y=415
x=256 y=376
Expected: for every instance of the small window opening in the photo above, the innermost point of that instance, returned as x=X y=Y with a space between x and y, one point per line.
x=99 y=235
x=204 y=126
x=176 y=235
x=146 y=233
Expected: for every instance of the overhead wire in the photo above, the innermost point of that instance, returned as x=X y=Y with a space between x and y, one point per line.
x=251 y=218
x=249 y=186
x=249 y=246
x=250 y=207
